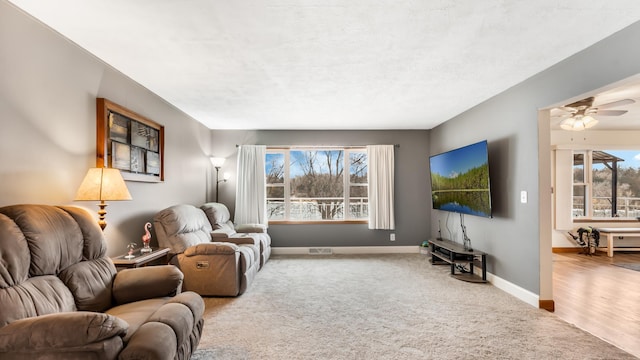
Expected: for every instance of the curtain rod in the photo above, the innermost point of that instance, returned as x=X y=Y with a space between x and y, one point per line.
x=319 y=146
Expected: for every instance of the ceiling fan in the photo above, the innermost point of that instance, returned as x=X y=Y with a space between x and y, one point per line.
x=578 y=116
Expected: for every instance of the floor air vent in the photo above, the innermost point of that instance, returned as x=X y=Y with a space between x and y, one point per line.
x=320 y=251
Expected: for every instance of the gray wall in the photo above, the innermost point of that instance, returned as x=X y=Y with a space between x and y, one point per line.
x=48 y=88
x=509 y=121
x=412 y=201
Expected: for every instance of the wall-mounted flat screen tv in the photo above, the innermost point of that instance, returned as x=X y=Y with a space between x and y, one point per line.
x=460 y=180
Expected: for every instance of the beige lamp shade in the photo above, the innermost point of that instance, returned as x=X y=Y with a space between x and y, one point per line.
x=103 y=184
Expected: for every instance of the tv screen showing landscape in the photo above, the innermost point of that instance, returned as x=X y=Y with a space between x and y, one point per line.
x=460 y=180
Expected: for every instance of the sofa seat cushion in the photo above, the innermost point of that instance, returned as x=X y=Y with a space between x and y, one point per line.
x=161 y=326
x=180 y=313
x=136 y=313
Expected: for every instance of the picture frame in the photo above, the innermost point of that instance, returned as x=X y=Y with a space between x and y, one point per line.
x=129 y=142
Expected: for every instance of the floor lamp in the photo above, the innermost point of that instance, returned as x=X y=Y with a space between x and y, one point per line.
x=217 y=163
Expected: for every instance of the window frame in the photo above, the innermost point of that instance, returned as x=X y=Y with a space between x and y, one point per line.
x=346 y=178
x=586 y=183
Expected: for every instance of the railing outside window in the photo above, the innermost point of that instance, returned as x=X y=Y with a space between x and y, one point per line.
x=627 y=207
x=308 y=209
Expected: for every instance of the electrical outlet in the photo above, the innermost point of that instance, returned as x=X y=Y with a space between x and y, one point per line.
x=392 y=237
x=523 y=197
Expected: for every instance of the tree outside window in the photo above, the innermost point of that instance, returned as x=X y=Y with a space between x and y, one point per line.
x=275 y=171
x=310 y=184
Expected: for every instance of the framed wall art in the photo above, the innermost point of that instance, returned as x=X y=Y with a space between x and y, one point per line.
x=129 y=142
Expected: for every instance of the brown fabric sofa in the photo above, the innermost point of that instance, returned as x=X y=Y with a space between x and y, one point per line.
x=219 y=268
x=61 y=297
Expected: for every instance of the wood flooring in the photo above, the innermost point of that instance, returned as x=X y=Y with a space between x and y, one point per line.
x=599 y=297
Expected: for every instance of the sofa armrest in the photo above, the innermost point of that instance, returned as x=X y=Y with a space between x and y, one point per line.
x=60 y=331
x=148 y=282
x=213 y=248
x=241 y=239
x=251 y=228
x=222 y=234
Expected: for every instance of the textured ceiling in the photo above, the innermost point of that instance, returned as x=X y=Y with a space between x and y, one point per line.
x=329 y=64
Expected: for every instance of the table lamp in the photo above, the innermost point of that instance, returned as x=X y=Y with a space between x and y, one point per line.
x=103 y=184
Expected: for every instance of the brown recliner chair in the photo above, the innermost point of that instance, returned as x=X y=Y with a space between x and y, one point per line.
x=61 y=297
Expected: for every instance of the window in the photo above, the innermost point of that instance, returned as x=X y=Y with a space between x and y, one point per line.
x=606 y=184
x=310 y=184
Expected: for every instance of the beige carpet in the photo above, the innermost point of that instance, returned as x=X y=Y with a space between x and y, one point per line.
x=383 y=307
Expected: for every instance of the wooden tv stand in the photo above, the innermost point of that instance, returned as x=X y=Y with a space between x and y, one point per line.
x=445 y=252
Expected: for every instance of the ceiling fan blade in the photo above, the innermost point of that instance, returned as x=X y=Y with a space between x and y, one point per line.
x=565 y=109
x=611 y=112
x=616 y=103
x=584 y=103
x=561 y=116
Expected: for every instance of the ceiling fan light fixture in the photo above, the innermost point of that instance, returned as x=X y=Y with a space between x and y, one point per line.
x=589 y=122
x=578 y=116
x=567 y=124
x=578 y=123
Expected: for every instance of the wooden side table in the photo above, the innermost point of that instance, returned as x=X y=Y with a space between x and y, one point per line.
x=156 y=256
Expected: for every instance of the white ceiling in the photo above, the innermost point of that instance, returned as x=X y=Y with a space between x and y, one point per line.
x=329 y=64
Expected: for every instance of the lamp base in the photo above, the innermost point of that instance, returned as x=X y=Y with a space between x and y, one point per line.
x=102 y=213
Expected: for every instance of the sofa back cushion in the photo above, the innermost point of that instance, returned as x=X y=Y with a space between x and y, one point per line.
x=37 y=244
x=219 y=216
x=53 y=237
x=90 y=283
x=181 y=226
x=40 y=295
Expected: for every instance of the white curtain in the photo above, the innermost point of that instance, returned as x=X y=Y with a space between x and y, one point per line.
x=251 y=199
x=381 y=174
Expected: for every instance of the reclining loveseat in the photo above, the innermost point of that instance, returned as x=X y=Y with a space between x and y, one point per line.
x=215 y=259
x=225 y=230
x=61 y=297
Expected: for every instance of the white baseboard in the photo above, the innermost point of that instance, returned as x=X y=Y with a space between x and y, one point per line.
x=348 y=250
x=514 y=290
